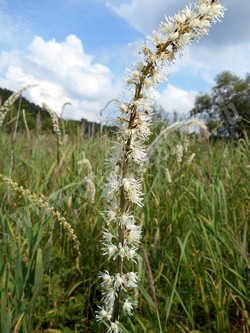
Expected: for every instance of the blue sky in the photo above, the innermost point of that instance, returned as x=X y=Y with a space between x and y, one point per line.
x=77 y=51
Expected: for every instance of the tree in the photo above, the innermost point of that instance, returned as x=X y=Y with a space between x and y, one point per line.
x=227 y=106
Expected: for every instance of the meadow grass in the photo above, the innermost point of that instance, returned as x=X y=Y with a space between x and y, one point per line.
x=194 y=260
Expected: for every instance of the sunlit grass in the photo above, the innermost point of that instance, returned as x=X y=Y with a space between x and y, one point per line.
x=196 y=240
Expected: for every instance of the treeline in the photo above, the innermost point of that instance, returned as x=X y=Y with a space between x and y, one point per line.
x=226 y=108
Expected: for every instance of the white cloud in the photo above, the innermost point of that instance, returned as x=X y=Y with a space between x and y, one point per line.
x=176 y=99
x=64 y=72
x=206 y=63
x=142 y=15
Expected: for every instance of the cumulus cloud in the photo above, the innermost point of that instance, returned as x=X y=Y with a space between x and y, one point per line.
x=142 y=15
x=175 y=99
x=64 y=72
x=200 y=62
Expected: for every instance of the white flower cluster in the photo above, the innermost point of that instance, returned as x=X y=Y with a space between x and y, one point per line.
x=122 y=190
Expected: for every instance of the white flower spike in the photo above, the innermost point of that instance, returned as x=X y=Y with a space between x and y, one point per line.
x=123 y=192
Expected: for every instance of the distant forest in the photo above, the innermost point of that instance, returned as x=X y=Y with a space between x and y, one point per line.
x=39 y=120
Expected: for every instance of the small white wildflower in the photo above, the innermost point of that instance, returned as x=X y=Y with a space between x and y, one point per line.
x=112 y=186
x=217 y=11
x=111 y=213
x=194 y=23
x=132 y=279
x=180 y=17
x=128 y=306
x=136 y=75
x=124 y=108
x=131 y=254
x=114 y=328
x=174 y=36
x=107 y=236
x=133 y=235
x=107 y=279
x=137 y=152
x=157 y=38
x=109 y=297
x=122 y=251
x=133 y=130
x=132 y=188
x=119 y=281
x=143 y=126
x=126 y=220
x=102 y=314
x=167 y=27
x=203 y=9
x=187 y=12
x=157 y=77
x=185 y=39
x=110 y=250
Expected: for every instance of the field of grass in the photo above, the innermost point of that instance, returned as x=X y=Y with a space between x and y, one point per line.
x=194 y=263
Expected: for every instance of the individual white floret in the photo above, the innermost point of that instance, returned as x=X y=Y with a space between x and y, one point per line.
x=114 y=328
x=128 y=306
x=132 y=280
x=137 y=152
x=103 y=314
x=107 y=236
x=112 y=186
x=119 y=281
x=109 y=296
x=133 y=235
x=110 y=250
x=132 y=189
x=126 y=219
x=107 y=279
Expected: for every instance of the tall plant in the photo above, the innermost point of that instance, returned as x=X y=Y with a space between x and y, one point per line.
x=121 y=239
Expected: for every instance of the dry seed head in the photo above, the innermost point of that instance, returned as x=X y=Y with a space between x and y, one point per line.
x=90 y=190
x=168 y=176
x=55 y=120
x=179 y=153
x=42 y=203
x=11 y=100
x=189 y=161
x=88 y=165
x=200 y=124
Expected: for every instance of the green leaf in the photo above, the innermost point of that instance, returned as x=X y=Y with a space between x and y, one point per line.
x=146 y=295
x=18 y=272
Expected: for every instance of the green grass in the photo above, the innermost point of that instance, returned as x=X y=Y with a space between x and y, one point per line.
x=195 y=239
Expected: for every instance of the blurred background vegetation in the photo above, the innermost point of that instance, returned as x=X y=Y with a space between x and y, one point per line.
x=194 y=262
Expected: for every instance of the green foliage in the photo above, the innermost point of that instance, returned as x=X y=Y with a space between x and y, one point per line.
x=195 y=236
x=229 y=99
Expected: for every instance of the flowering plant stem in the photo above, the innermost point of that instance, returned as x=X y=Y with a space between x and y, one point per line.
x=123 y=191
